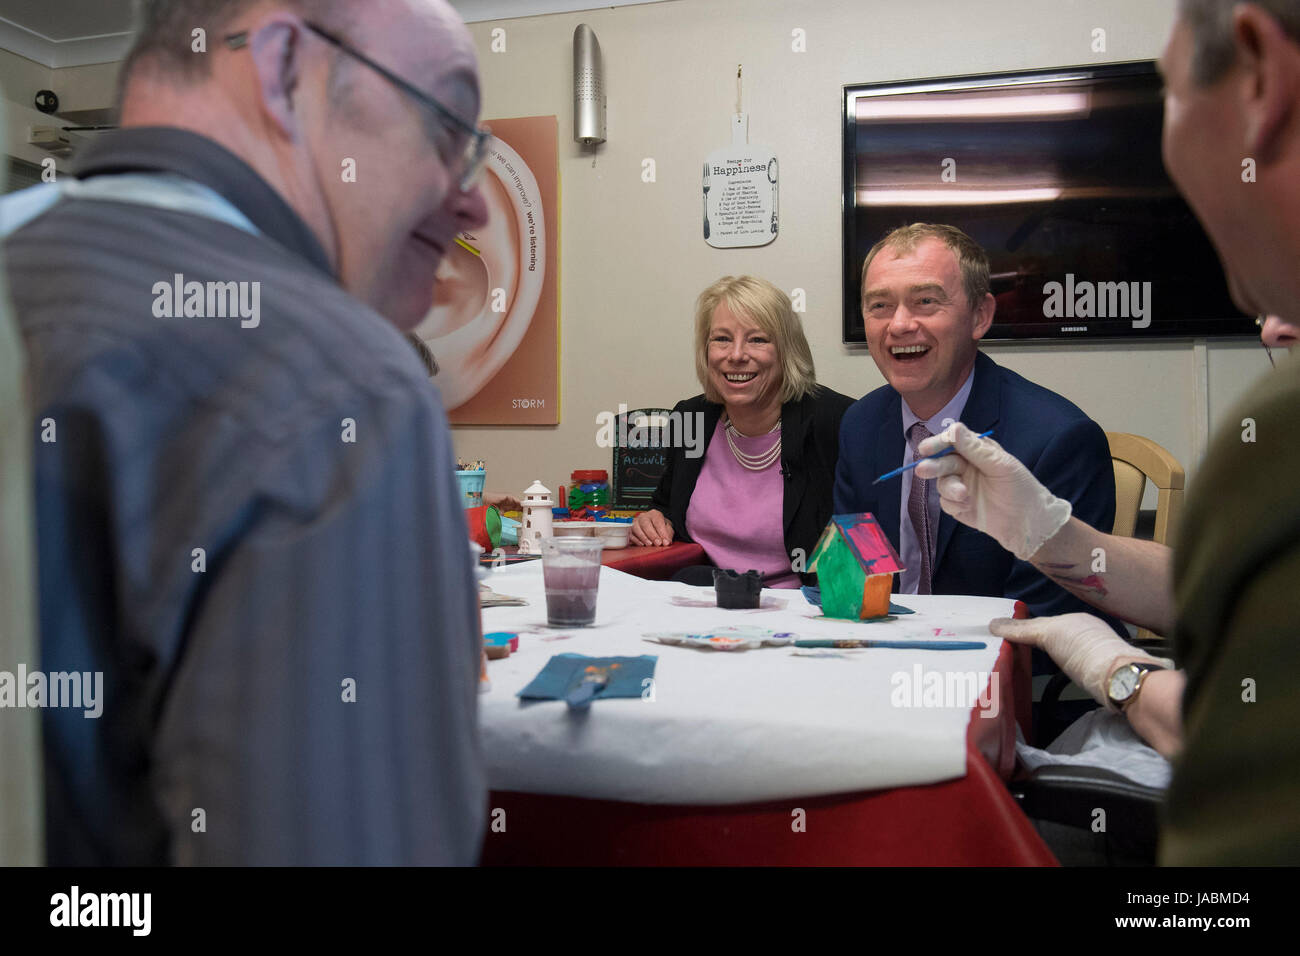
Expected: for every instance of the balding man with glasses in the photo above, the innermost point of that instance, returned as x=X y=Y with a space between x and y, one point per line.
x=246 y=517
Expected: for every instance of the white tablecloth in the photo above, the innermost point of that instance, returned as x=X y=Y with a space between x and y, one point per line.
x=728 y=727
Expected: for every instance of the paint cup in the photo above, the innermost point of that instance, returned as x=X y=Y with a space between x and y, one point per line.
x=484 y=527
x=471 y=488
x=509 y=530
x=571 y=575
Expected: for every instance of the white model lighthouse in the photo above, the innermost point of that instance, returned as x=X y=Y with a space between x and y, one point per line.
x=537 y=518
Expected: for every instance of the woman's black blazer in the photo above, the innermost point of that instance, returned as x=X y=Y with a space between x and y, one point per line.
x=810 y=447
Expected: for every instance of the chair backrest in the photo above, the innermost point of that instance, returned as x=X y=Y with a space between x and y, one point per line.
x=22 y=832
x=1130 y=483
x=1138 y=460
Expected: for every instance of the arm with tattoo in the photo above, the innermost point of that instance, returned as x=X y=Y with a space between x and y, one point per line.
x=1127 y=577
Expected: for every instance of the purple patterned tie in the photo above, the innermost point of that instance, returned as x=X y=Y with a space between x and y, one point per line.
x=918 y=510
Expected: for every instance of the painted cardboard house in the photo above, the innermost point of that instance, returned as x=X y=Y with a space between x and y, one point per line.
x=855 y=566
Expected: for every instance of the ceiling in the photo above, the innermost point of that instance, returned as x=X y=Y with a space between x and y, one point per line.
x=63 y=20
x=475 y=10
x=59 y=33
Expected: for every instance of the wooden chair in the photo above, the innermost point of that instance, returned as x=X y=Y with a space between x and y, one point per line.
x=1138 y=460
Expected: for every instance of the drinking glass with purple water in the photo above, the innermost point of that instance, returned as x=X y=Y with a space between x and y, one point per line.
x=571 y=574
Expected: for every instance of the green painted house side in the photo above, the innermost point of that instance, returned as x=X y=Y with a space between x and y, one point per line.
x=855 y=563
x=839 y=574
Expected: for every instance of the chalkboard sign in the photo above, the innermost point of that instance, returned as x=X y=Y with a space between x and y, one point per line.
x=641 y=439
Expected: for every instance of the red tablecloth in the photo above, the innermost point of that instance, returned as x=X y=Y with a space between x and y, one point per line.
x=654 y=564
x=970 y=821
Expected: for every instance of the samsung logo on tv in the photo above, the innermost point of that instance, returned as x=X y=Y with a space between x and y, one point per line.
x=1074 y=328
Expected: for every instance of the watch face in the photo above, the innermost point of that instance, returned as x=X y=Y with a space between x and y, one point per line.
x=1123 y=682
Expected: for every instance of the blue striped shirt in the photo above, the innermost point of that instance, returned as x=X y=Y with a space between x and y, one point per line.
x=253 y=531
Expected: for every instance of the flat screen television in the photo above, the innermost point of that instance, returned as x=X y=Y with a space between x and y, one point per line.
x=1058 y=174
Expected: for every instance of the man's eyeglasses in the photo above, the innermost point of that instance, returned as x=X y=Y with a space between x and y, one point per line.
x=1259 y=323
x=476 y=146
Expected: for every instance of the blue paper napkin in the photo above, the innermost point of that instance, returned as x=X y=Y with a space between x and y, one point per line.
x=578 y=679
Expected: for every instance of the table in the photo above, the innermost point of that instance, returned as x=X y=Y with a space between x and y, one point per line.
x=654 y=564
x=699 y=777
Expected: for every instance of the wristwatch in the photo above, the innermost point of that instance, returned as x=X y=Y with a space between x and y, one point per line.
x=1126 y=682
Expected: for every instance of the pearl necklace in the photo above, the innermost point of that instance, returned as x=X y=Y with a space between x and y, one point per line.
x=754 y=462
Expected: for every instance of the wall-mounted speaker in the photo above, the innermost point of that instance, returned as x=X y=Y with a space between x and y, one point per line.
x=588 y=88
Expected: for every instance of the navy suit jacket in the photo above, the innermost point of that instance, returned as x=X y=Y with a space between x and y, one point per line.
x=1065 y=449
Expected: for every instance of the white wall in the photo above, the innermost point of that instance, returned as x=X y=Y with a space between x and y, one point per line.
x=21 y=78
x=91 y=87
x=78 y=88
x=632 y=256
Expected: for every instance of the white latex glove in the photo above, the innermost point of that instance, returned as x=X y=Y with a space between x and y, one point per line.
x=983 y=486
x=1082 y=645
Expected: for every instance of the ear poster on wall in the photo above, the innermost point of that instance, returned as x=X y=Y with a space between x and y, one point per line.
x=494 y=325
x=740 y=196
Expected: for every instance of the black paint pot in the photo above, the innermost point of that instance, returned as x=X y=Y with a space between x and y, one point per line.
x=737 y=591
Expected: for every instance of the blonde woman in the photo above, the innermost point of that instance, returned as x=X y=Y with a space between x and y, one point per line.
x=760 y=494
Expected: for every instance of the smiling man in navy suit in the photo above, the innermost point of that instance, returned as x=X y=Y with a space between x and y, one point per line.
x=926 y=303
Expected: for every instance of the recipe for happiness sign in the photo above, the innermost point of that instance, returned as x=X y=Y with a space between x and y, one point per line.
x=740 y=196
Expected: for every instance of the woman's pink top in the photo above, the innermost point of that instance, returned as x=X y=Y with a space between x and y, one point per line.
x=736 y=514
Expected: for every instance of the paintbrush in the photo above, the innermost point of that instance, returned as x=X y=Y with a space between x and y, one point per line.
x=594 y=680
x=939 y=454
x=898 y=645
